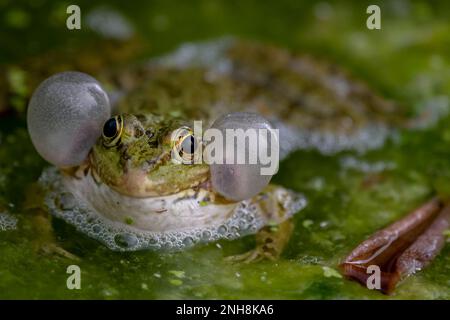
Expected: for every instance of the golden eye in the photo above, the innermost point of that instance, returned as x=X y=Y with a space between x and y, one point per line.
x=112 y=130
x=188 y=145
x=184 y=145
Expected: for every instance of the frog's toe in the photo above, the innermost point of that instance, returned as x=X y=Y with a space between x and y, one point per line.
x=247 y=257
x=270 y=242
x=56 y=250
x=258 y=254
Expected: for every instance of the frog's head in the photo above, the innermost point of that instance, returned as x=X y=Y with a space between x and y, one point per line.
x=134 y=156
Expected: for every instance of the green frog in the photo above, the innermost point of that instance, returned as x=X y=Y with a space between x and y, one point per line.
x=129 y=195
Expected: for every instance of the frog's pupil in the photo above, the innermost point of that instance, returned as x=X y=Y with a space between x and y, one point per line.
x=188 y=145
x=110 y=128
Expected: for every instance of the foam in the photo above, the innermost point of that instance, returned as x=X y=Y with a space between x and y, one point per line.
x=208 y=54
x=75 y=208
x=109 y=23
x=364 y=166
x=7 y=222
x=430 y=111
x=372 y=136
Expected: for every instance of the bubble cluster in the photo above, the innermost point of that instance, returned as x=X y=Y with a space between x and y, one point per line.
x=350 y=162
x=109 y=23
x=246 y=219
x=370 y=137
x=7 y=222
x=208 y=54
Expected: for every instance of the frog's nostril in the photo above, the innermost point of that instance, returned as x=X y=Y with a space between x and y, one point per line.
x=138 y=132
x=149 y=134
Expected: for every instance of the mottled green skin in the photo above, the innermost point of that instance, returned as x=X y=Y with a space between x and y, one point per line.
x=140 y=164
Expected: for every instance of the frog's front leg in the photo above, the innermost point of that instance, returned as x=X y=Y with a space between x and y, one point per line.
x=276 y=205
x=43 y=236
x=45 y=240
x=270 y=243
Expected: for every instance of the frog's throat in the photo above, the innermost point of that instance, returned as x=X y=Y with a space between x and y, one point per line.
x=170 y=222
x=157 y=213
x=136 y=180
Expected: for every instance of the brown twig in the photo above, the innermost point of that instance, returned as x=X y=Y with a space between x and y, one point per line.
x=402 y=248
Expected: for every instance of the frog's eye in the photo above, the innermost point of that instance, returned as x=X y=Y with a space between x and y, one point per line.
x=184 y=145
x=112 y=130
x=188 y=145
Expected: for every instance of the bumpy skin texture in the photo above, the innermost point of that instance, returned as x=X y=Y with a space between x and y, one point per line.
x=140 y=165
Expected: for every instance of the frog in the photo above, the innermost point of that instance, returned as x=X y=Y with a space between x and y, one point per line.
x=130 y=196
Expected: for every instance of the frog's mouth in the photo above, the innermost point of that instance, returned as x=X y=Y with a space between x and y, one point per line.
x=154 y=163
x=155 y=177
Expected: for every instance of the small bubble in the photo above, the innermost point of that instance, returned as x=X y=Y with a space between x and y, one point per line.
x=243 y=224
x=167 y=245
x=96 y=228
x=235 y=230
x=206 y=235
x=222 y=229
x=66 y=201
x=188 y=241
x=125 y=240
